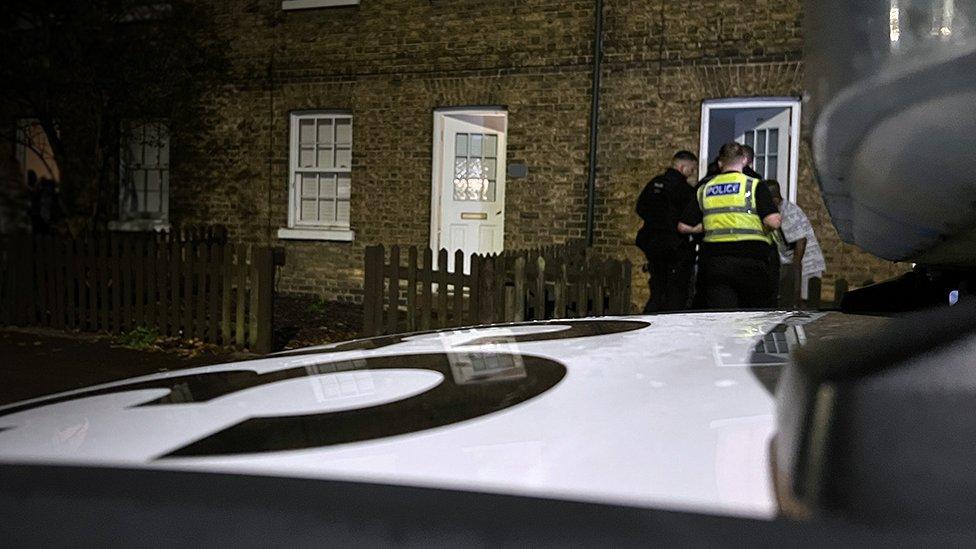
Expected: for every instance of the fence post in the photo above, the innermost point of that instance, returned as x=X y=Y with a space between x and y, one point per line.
x=519 y=312
x=240 y=318
x=5 y=294
x=412 y=289
x=393 y=289
x=500 y=286
x=486 y=291
x=787 y=295
x=152 y=283
x=540 y=289
x=215 y=295
x=138 y=262
x=559 y=269
x=840 y=290
x=442 y=288
x=175 y=281
x=474 y=291
x=457 y=317
x=201 y=266
x=814 y=289
x=104 y=276
x=189 y=271
x=71 y=277
x=91 y=258
x=27 y=284
x=628 y=281
x=262 y=324
x=426 y=281
x=369 y=292
x=597 y=292
x=226 y=286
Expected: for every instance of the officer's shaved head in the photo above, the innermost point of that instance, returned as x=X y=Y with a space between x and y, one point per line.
x=732 y=157
x=685 y=162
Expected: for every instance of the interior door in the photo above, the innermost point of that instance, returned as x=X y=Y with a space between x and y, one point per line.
x=768 y=132
x=472 y=185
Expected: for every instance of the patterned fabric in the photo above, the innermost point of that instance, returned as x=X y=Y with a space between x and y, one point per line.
x=796 y=227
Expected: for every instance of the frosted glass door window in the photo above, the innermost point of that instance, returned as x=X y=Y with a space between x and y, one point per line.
x=475 y=167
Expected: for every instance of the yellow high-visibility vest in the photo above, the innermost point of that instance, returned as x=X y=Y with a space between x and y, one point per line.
x=728 y=203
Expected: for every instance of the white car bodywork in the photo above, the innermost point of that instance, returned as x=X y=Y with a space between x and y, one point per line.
x=670 y=415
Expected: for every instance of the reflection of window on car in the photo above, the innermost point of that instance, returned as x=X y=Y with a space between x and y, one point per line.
x=501 y=362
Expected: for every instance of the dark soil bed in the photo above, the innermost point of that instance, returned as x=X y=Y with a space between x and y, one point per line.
x=302 y=321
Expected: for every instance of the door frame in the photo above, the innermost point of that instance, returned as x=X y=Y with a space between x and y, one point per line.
x=437 y=164
x=792 y=103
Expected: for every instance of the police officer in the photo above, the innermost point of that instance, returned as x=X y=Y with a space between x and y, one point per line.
x=736 y=214
x=670 y=254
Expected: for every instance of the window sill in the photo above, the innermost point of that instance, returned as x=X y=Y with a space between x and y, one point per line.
x=334 y=235
x=139 y=225
x=311 y=4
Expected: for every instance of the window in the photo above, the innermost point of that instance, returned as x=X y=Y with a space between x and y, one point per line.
x=320 y=176
x=144 y=188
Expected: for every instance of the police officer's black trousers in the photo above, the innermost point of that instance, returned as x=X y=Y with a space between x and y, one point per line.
x=670 y=274
x=733 y=282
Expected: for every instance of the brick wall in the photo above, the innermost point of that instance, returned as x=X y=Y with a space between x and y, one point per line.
x=392 y=62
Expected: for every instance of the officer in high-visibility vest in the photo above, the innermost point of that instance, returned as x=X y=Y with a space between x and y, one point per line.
x=736 y=213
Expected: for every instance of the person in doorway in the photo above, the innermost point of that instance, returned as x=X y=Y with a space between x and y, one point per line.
x=750 y=162
x=799 y=246
x=670 y=254
x=735 y=213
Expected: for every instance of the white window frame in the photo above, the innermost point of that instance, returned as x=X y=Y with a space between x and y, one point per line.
x=792 y=103
x=303 y=230
x=160 y=222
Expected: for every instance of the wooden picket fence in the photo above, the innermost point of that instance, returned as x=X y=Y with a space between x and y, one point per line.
x=790 y=294
x=544 y=283
x=186 y=284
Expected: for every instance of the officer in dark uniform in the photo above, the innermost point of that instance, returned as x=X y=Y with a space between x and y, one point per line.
x=670 y=254
x=736 y=214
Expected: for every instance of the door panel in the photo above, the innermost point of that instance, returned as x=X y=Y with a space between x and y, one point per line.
x=471 y=201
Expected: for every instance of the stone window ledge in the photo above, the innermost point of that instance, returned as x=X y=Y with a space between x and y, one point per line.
x=139 y=225
x=311 y=4
x=334 y=235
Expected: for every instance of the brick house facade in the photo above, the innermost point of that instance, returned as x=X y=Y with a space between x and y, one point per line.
x=390 y=63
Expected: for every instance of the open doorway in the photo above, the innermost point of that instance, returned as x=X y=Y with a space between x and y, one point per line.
x=771 y=126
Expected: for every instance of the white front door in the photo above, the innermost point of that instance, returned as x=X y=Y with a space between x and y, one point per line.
x=469 y=182
x=769 y=135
